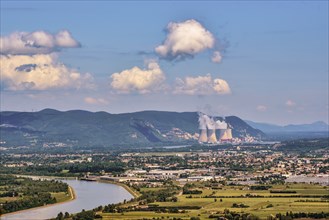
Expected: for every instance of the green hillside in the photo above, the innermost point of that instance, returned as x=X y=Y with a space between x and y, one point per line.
x=85 y=128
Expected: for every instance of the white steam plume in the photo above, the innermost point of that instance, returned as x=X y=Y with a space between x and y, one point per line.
x=206 y=122
x=221 y=124
x=202 y=121
x=211 y=123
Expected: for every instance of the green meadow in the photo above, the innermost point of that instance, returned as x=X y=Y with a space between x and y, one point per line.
x=308 y=198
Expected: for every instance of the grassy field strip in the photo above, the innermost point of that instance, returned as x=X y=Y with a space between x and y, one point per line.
x=141 y=215
x=151 y=189
x=8 y=199
x=61 y=197
x=264 y=206
x=133 y=192
x=312 y=191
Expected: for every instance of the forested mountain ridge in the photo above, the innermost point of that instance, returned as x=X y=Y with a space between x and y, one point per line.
x=77 y=127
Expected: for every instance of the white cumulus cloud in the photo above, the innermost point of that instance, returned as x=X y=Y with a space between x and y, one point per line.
x=95 y=101
x=201 y=85
x=139 y=80
x=216 y=57
x=290 y=103
x=40 y=72
x=185 y=39
x=261 y=108
x=37 y=42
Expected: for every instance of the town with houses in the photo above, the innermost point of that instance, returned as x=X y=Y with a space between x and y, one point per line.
x=235 y=164
x=262 y=180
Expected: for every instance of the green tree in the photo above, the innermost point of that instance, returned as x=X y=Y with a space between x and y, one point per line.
x=60 y=216
x=66 y=215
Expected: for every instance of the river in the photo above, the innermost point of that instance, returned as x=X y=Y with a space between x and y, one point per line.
x=89 y=195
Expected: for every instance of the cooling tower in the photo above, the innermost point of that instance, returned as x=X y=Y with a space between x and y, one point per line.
x=203 y=136
x=212 y=136
x=221 y=133
x=227 y=135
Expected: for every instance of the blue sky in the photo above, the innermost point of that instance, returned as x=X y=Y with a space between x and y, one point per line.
x=272 y=63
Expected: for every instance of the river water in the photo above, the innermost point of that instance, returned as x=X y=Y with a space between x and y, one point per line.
x=89 y=195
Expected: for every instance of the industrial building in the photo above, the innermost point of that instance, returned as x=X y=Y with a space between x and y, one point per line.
x=208 y=127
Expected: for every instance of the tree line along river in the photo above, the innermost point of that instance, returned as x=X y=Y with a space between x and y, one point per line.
x=88 y=195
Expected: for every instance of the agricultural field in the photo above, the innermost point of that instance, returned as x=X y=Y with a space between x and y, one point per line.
x=208 y=202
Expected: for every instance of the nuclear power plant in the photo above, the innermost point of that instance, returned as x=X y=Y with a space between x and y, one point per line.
x=208 y=127
x=203 y=135
x=226 y=135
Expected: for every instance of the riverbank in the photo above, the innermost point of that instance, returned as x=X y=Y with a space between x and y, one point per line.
x=47 y=177
x=72 y=194
x=72 y=197
x=134 y=193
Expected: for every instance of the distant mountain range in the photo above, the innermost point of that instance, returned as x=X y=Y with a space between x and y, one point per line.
x=50 y=127
x=318 y=126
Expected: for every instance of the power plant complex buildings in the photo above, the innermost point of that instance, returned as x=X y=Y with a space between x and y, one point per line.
x=208 y=127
